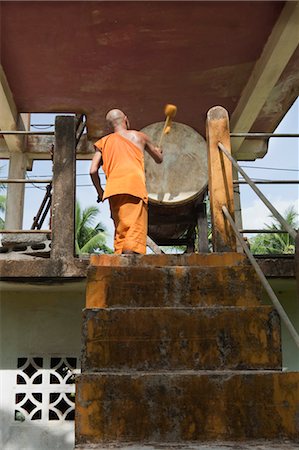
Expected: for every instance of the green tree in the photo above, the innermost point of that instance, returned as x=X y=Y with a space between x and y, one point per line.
x=89 y=238
x=276 y=242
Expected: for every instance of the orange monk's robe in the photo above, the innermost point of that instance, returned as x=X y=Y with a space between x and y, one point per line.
x=123 y=164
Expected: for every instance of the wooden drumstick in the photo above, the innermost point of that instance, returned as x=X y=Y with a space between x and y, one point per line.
x=170 y=112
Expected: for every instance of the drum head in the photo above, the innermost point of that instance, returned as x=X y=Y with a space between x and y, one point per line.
x=183 y=174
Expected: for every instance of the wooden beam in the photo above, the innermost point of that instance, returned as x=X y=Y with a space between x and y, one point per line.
x=202 y=228
x=153 y=246
x=281 y=44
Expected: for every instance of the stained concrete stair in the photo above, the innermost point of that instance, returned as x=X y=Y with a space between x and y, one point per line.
x=181 y=338
x=179 y=349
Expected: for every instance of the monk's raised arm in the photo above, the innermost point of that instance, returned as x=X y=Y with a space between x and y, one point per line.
x=94 y=173
x=154 y=151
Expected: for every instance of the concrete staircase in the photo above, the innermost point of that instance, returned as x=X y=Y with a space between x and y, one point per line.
x=179 y=349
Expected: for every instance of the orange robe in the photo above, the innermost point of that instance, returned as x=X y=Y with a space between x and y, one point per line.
x=123 y=164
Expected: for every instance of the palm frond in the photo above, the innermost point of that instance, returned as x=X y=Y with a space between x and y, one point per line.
x=2 y=203
x=89 y=237
x=276 y=242
x=94 y=243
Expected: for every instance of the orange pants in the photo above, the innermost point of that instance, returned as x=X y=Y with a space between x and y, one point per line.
x=129 y=215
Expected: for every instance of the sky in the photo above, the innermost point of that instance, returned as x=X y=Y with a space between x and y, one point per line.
x=283 y=156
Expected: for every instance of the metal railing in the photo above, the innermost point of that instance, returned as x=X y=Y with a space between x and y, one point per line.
x=80 y=126
x=264 y=135
x=25 y=180
x=267 y=182
x=25 y=133
x=284 y=317
x=262 y=197
x=286 y=227
x=41 y=213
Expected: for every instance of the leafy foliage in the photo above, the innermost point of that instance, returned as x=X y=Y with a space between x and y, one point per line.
x=89 y=238
x=275 y=243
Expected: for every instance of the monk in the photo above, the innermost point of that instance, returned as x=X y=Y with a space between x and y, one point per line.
x=121 y=155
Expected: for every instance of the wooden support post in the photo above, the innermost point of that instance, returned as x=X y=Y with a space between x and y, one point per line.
x=153 y=246
x=64 y=185
x=220 y=179
x=202 y=228
x=191 y=240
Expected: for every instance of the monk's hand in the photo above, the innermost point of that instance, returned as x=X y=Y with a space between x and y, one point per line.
x=100 y=196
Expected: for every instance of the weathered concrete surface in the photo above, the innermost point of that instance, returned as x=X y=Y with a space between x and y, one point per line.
x=23 y=266
x=280 y=267
x=10 y=240
x=191 y=259
x=181 y=338
x=159 y=319
x=186 y=406
x=218 y=67
x=64 y=187
x=242 y=445
x=172 y=286
x=12 y=264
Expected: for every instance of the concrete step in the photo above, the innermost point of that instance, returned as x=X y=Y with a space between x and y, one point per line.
x=186 y=406
x=163 y=260
x=181 y=338
x=260 y=444
x=110 y=286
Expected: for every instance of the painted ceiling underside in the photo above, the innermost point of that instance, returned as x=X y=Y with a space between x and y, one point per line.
x=93 y=56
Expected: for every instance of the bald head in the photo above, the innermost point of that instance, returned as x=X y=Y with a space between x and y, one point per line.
x=115 y=117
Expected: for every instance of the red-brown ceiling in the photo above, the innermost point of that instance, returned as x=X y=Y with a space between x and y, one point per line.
x=93 y=56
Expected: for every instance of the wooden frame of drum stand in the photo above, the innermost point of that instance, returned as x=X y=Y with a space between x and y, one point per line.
x=197 y=217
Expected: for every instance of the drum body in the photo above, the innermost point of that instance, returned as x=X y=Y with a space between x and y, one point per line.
x=175 y=185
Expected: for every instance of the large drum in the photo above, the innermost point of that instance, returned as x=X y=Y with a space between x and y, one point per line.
x=178 y=182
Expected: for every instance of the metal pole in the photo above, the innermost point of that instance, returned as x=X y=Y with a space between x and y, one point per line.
x=267 y=182
x=269 y=205
x=45 y=133
x=265 y=135
x=25 y=180
x=284 y=317
x=25 y=231
x=263 y=231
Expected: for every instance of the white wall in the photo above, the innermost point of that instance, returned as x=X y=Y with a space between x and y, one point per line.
x=286 y=291
x=45 y=322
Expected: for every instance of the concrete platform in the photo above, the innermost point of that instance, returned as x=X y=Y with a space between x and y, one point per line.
x=248 y=445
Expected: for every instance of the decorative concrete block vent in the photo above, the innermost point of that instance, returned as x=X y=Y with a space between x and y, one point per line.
x=32 y=244
x=44 y=389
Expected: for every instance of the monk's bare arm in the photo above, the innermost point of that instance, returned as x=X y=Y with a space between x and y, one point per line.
x=154 y=151
x=94 y=173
